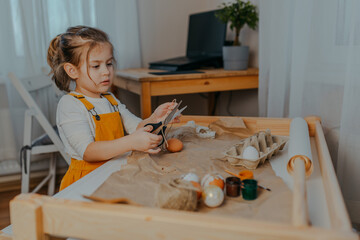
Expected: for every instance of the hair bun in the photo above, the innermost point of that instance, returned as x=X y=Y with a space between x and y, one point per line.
x=53 y=57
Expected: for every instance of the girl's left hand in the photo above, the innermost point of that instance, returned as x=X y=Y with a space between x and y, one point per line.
x=162 y=111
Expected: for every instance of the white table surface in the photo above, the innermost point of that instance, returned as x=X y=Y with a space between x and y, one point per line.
x=318 y=211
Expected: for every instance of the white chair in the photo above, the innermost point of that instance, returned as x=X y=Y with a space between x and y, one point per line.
x=24 y=88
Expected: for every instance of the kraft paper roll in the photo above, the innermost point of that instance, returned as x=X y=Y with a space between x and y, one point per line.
x=299 y=145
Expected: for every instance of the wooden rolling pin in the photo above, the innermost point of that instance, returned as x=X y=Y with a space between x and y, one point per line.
x=299 y=166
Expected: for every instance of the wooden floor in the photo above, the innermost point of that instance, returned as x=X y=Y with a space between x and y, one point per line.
x=7 y=195
x=5 y=198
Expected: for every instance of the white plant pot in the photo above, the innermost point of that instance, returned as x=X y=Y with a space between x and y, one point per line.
x=235 y=57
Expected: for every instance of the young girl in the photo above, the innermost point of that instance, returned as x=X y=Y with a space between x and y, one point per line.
x=91 y=121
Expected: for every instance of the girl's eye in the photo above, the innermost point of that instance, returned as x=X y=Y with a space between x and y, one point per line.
x=110 y=64
x=96 y=66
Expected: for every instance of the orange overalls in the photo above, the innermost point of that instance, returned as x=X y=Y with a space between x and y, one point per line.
x=108 y=126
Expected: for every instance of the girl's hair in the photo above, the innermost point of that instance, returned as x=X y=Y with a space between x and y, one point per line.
x=67 y=48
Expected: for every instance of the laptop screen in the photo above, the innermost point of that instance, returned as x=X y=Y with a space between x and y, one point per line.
x=206 y=35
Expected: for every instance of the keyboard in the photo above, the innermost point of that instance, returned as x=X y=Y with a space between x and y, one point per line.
x=186 y=63
x=182 y=60
x=176 y=72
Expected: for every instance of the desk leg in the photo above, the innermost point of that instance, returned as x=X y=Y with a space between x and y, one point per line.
x=145 y=100
x=212 y=101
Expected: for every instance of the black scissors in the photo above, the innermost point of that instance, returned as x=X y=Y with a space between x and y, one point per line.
x=161 y=126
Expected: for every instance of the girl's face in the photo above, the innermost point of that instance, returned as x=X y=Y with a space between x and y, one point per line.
x=101 y=71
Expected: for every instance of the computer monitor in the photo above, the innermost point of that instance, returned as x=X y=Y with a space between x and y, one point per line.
x=206 y=35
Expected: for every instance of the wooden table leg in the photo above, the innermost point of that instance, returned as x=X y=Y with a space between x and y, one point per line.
x=212 y=101
x=145 y=100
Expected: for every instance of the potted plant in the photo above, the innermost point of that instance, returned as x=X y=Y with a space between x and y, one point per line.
x=238 y=14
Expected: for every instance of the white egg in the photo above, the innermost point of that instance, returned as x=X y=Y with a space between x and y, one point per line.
x=213 y=196
x=250 y=153
x=206 y=179
x=191 y=177
x=209 y=178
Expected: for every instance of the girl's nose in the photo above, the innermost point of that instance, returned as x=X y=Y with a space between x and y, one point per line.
x=106 y=71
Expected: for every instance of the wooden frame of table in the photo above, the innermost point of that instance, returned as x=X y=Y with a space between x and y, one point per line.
x=146 y=85
x=40 y=217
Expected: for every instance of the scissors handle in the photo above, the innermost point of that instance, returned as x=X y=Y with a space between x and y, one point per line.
x=154 y=125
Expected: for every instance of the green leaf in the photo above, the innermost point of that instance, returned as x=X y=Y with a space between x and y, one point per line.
x=238 y=14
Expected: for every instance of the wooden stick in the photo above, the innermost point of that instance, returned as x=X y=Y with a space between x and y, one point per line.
x=337 y=210
x=234 y=174
x=26 y=217
x=299 y=166
x=278 y=126
x=300 y=214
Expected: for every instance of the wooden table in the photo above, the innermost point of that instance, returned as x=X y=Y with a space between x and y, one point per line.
x=146 y=85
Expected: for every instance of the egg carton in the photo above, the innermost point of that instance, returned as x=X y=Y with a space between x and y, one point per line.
x=266 y=144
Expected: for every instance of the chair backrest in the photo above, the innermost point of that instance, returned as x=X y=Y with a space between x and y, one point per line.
x=24 y=87
x=41 y=82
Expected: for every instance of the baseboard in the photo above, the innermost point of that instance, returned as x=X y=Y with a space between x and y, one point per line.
x=13 y=182
x=8 y=167
x=38 y=163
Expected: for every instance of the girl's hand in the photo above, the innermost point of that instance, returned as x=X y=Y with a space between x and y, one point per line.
x=143 y=140
x=162 y=111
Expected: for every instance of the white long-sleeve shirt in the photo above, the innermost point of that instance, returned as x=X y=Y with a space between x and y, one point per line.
x=76 y=125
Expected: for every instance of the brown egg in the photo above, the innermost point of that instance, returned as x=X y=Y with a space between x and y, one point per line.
x=174 y=145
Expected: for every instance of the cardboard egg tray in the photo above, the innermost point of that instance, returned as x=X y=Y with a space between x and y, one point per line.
x=266 y=144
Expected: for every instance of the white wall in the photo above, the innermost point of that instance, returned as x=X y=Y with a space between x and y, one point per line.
x=163 y=34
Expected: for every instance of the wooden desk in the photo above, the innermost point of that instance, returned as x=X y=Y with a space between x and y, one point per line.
x=146 y=85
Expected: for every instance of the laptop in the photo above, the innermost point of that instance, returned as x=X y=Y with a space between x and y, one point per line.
x=206 y=37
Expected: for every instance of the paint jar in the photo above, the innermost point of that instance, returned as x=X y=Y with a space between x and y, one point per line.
x=233 y=186
x=249 y=189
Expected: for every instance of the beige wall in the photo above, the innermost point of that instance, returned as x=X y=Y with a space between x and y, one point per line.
x=163 y=34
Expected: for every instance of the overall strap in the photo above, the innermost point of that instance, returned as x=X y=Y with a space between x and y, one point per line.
x=87 y=104
x=115 y=105
x=112 y=101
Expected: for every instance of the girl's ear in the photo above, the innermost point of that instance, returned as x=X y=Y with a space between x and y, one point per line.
x=71 y=70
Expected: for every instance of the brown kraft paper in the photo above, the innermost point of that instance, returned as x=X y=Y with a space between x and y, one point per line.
x=155 y=180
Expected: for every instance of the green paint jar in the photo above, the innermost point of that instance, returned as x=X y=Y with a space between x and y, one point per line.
x=249 y=189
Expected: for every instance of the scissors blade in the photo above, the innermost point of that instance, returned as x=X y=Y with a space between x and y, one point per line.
x=171 y=114
x=178 y=113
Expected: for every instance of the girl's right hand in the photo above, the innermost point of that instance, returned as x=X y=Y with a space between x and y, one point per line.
x=145 y=141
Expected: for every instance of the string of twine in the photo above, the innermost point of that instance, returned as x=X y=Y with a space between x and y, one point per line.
x=164 y=136
x=162 y=132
